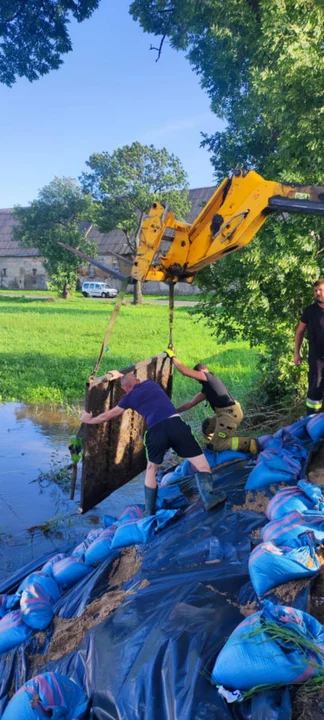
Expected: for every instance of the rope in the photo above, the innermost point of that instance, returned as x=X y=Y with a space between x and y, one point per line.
x=171 y=315
x=112 y=320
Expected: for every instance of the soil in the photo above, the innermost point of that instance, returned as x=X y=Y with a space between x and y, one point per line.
x=246 y=610
x=316 y=467
x=256 y=501
x=69 y=633
x=306 y=706
x=256 y=534
x=289 y=591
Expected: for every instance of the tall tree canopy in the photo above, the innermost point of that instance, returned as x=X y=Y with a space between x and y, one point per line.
x=125 y=183
x=34 y=35
x=61 y=213
x=262 y=64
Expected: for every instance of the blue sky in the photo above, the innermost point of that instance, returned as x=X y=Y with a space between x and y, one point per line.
x=109 y=92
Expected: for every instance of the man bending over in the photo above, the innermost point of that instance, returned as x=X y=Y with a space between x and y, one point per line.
x=165 y=429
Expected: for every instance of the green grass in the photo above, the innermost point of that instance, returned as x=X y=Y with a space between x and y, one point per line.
x=49 y=349
x=78 y=294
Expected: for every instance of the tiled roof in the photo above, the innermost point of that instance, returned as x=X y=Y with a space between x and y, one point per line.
x=113 y=241
x=8 y=246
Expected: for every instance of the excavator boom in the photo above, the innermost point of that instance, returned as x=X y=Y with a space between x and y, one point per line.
x=230 y=220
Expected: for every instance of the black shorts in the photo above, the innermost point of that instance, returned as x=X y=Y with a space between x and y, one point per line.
x=170 y=433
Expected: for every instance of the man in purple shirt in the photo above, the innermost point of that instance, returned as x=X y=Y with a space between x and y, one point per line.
x=165 y=430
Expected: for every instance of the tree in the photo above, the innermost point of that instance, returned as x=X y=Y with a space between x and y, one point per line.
x=57 y=216
x=34 y=35
x=262 y=64
x=125 y=183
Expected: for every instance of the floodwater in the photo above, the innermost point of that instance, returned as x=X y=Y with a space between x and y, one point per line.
x=37 y=516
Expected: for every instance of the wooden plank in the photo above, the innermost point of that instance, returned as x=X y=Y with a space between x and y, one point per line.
x=114 y=452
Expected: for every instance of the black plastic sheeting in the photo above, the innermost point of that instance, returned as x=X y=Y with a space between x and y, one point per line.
x=151 y=658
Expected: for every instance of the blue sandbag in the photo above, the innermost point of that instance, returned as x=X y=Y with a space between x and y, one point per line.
x=109 y=520
x=47 y=695
x=13 y=631
x=282 y=461
x=270 y=566
x=170 y=498
x=315 y=427
x=69 y=571
x=142 y=531
x=301 y=497
x=47 y=569
x=225 y=456
x=246 y=662
x=264 y=441
x=297 y=429
x=286 y=530
x=185 y=468
x=80 y=550
x=100 y=549
x=130 y=513
x=37 y=600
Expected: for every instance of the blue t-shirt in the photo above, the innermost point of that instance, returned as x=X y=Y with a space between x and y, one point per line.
x=150 y=401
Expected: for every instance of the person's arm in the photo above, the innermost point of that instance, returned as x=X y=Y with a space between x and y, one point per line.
x=88 y=418
x=191 y=403
x=300 y=332
x=195 y=374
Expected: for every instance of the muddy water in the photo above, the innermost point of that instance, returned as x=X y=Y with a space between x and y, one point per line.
x=36 y=515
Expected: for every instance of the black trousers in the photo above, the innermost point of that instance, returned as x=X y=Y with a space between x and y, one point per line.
x=314 y=400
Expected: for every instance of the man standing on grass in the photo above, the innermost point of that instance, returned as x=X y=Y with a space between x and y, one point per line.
x=220 y=430
x=165 y=430
x=312 y=320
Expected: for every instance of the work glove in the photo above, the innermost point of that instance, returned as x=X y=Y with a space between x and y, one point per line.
x=170 y=353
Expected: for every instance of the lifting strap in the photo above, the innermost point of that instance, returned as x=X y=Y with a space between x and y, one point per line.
x=171 y=315
x=112 y=320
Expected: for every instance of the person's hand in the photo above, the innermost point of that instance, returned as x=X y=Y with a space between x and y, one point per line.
x=114 y=375
x=297 y=358
x=86 y=416
x=170 y=353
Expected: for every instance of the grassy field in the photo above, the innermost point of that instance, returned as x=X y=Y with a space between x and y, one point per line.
x=48 y=349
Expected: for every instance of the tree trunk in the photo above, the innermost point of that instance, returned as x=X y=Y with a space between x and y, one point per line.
x=67 y=291
x=138 y=297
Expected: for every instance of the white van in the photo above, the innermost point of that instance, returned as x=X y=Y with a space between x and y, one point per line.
x=98 y=289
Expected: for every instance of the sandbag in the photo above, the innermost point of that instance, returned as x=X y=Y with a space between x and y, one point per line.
x=130 y=513
x=186 y=469
x=170 y=498
x=315 y=427
x=248 y=661
x=270 y=565
x=282 y=461
x=297 y=429
x=141 y=531
x=47 y=569
x=47 y=695
x=301 y=497
x=69 y=571
x=109 y=520
x=37 y=600
x=100 y=549
x=80 y=550
x=13 y=631
x=286 y=530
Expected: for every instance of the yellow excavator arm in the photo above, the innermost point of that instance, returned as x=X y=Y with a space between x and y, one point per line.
x=173 y=251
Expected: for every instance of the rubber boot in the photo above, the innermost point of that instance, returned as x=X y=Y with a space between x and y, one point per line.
x=205 y=486
x=150 y=500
